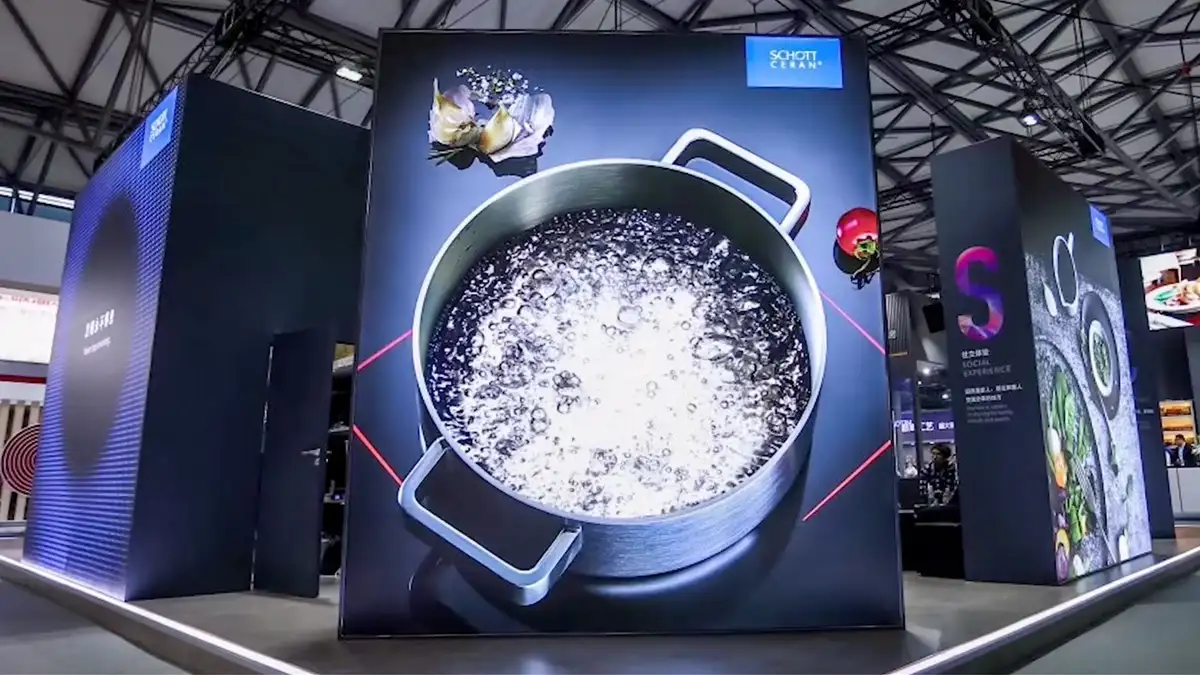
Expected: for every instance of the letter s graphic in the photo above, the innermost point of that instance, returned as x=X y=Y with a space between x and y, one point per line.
x=986 y=257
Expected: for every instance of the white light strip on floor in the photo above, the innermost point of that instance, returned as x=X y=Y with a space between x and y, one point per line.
x=936 y=662
x=261 y=660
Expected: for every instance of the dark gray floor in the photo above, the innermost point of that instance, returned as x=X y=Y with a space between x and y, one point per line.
x=37 y=636
x=940 y=614
x=1157 y=635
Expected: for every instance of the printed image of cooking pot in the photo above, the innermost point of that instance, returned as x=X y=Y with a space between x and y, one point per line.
x=633 y=547
x=1064 y=296
x=446 y=598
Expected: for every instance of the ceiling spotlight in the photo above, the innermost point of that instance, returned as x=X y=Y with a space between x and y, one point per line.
x=349 y=74
x=1030 y=119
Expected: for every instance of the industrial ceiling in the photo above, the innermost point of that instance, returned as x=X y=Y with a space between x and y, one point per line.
x=1102 y=90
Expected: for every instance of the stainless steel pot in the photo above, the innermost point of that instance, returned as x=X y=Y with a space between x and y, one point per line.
x=641 y=546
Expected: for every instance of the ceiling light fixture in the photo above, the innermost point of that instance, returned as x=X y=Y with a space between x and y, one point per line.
x=349 y=74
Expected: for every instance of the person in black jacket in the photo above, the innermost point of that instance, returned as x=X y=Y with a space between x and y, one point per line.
x=1186 y=452
x=939 y=478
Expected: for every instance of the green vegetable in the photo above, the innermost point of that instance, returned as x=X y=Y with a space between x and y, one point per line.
x=1068 y=418
x=1100 y=361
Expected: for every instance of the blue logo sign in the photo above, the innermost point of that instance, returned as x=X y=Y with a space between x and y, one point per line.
x=157 y=129
x=1100 y=226
x=793 y=62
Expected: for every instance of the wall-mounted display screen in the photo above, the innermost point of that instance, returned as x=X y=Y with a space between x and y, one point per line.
x=644 y=274
x=26 y=325
x=1171 y=282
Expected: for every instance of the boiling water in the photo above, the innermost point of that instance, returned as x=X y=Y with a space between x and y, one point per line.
x=619 y=363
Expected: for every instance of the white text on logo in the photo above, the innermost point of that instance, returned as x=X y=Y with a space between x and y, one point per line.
x=158 y=126
x=794 y=59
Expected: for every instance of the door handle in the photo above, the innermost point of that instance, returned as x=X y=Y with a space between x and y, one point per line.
x=315 y=453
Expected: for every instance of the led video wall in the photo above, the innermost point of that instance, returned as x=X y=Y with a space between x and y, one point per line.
x=620 y=296
x=79 y=525
x=1171 y=284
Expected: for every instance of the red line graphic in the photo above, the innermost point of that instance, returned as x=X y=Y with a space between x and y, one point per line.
x=387 y=348
x=852 y=322
x=849 y=479
x=362 y=438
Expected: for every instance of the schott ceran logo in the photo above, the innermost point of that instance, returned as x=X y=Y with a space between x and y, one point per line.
x=807 y=59
x=159 y=127
x=1100 y=228
x=793 y=62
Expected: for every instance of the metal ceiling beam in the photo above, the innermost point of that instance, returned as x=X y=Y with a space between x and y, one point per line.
x=235 y=27
x=1103 y=25
x=976 y=21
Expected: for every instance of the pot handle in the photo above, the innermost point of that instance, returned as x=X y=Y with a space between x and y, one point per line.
x=529 y=585
x=705 y=144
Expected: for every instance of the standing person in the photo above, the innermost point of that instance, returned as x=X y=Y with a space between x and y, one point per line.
x=1185 y=451
x=939 y=479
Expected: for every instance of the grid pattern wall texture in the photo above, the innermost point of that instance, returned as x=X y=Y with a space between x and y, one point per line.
x=79 y=526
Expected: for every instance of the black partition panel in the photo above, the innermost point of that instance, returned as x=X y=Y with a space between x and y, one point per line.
x=1049 y=455
x=1146 y=368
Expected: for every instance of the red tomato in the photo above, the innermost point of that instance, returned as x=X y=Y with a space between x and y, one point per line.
x=858 y=233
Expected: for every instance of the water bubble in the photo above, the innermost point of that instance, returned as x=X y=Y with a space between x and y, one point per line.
x=713 y=347
x=658 y=265
x=629 y=315
x=638 y=305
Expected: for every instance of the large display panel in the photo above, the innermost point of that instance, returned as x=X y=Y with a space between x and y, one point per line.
x=1042 y=363
x=1093 y=453
x=79 y=525
x=1171 y=285
x=621 y=366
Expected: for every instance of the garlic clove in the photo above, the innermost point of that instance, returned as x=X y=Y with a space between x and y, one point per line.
x=452 y=118
x=499 y=132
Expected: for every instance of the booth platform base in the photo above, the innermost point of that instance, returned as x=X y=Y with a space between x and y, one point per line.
x=952 y=626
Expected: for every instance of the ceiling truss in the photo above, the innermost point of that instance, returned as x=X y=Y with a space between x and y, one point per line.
x=1116 y=117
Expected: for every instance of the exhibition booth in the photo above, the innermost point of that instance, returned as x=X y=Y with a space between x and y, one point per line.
x=1162 y=292
x=609 y=354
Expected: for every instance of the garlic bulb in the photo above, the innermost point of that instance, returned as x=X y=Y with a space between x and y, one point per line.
x=452 y=118
x=499 y=132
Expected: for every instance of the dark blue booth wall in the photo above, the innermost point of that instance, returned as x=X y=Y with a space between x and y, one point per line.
x=266 y=238
x=88 y=460
x=245 y=221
